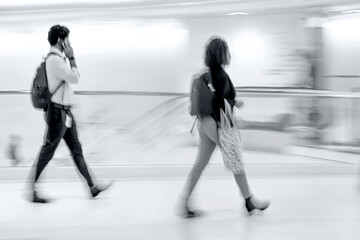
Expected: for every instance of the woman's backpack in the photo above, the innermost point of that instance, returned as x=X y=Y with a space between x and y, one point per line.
x=202 y=99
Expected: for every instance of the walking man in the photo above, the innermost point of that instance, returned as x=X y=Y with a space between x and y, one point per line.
x=61 y=70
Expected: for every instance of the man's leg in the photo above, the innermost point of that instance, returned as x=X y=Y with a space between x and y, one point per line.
x=72 y=140
x=54 y=133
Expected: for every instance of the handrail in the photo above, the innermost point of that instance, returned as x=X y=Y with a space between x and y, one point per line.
x=294 y=92
x=104 y=93
x=244 y=91
x=342 y=76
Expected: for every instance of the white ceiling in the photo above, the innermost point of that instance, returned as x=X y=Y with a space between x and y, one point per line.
x=230 y=4
x=27 y=10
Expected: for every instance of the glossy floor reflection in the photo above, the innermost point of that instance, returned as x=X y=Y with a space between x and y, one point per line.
x=326 y=207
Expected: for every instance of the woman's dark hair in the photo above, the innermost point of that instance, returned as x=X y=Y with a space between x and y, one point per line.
x=216 y=53
x=56 y=32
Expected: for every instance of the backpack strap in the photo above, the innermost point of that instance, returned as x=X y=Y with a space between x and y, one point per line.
x=63 y=82
x=193 y=126
x=208 y=80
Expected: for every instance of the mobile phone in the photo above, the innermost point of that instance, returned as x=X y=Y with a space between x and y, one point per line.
x=67 y=42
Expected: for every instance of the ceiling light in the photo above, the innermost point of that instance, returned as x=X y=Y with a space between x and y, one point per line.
x=190 y=3
x=351 y=11
x=237 y=13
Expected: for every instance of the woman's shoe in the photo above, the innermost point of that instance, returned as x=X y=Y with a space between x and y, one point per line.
x=184 y=211
x=252 y=204
x=187 y=213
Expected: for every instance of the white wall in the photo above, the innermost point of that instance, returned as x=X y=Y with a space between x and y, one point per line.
x=259 y=45
x=342 y=45
x=342 y=58
x=160 y=55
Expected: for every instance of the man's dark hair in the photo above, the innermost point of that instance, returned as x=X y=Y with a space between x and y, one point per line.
x=216 y=53
x=57 y=32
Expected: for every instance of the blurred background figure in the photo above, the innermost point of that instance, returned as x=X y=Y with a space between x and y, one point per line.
x=310 y=78
x=308 y=68
x=13 y=150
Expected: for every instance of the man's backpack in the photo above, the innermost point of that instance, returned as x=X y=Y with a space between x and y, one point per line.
x=202 y=99
x=40 y=94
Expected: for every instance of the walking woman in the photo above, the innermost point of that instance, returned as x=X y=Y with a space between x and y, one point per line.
x=217 y=56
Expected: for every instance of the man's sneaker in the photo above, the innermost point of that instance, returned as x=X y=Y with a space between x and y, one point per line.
x=37 y=199
x=95 y=190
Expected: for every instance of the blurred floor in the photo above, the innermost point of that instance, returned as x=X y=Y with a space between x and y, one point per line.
x=303 y=207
